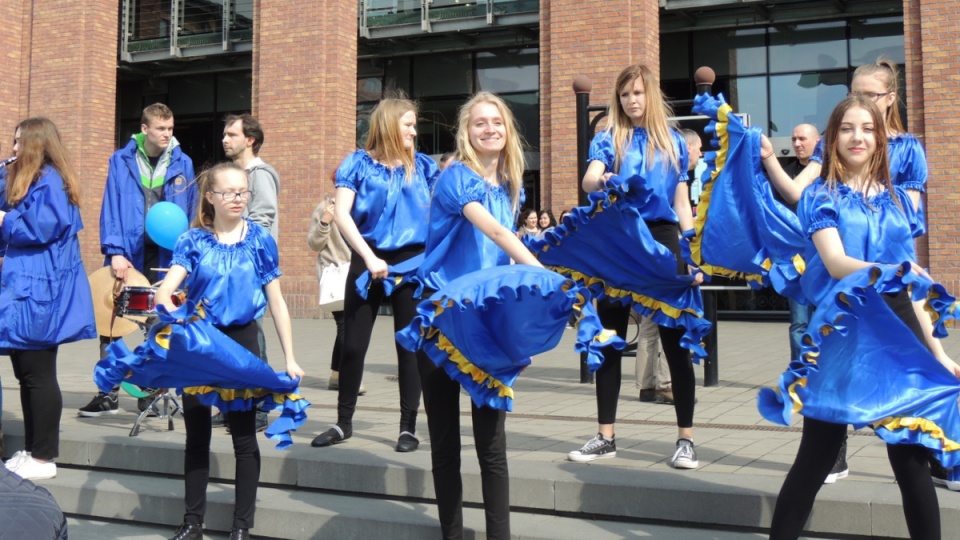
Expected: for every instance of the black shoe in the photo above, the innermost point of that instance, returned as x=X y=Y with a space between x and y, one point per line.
x=143 y=403
x=189 y=531
x=840 y=469
x=240 y=534
x=333 y=435
x=100 y=405
x=219 y=420
x=263 y=420
x=407 y=442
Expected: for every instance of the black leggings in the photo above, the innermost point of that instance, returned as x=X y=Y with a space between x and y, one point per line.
x=819 y=446
x=40 y=400
x=196 y=462
x=615 y=316
x=441 y=396
x=338 y=342
x=359 y=315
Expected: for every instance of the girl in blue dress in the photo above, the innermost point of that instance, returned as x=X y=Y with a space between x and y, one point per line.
x=382 y=198
x=908 y=162
x=44 y=293
x=639 y=141
x=472 y=216
x=856 y=217
x=222 y=255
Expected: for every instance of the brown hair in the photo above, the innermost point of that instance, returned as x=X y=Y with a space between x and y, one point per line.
x=250 y=127
x=877 y=173
x=384 y=142
x=511 y=163
x=654 y=119
x=206 y=181
x=888 y=72
x=157 y=111
x=40 y=145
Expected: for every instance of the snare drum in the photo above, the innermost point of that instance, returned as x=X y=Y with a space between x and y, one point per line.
x=139 y=301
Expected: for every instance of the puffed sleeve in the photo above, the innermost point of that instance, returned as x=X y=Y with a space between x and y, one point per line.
x=909 y=164
x=683 y=155
x=186 y=252
x=457 y=186
x=428 y=167
x=817 y=209
x=42 y=217
x=601 y=149
x=267 y=257
x=350 y=172
x=917 y=227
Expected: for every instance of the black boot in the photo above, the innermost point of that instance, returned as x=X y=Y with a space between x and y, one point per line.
x=189 y=531
x=240 y=534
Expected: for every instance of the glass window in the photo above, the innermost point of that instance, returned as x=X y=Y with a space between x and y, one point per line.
x=509 y=70
x=675 y=56
x=731 y=52
x=191 y=95
x=526 y=107
x=804 y=98
x=442 y=75
x=152 y=19
x=437 y=125
x=747 y=95
x=397 y=72
x=369 y=89
x=872 y=38
x=233 y=91
x=808 y=47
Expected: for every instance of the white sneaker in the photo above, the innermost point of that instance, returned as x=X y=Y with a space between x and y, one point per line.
x=31 y=469
x=16 y=460
x=685 y=457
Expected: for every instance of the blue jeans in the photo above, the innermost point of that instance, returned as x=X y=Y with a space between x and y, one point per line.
x=799 y=319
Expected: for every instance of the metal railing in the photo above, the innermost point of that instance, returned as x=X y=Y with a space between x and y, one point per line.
x=398 y=17
x=159 y=29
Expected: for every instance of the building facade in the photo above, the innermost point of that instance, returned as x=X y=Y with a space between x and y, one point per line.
x=312 y=72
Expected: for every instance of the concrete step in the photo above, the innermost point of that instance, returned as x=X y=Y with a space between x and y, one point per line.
x=152 y=502
x=599 y=490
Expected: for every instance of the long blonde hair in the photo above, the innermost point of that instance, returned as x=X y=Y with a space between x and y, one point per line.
x=877 y=173
x=889 y=74
x=206 y=181
x=510 y=165
x=384 y=142
x=40 y=145
x=654 y=120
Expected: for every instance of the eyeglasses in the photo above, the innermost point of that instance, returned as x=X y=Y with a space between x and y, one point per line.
x=230 y=196
x=872 y=96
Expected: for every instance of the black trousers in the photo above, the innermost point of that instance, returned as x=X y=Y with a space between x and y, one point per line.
x=338 y=342
x=441 y=396
x=196 y=462
x=819 y=446
x=40 y=400
x=616 y=317
x=359 y=315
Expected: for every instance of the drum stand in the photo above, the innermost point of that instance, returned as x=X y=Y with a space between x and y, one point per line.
x=170 y=404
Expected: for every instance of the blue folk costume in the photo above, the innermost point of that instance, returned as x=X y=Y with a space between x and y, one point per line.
x=45 y=297
x=383 y=200
x=860 y=364
x=187 y=351
x=485 y=318
x=608 y=247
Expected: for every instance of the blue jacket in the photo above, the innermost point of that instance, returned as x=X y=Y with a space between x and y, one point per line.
x=44 y=293
x=122 y=216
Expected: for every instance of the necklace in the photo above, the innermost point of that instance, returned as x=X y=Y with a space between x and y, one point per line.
x=243 y=230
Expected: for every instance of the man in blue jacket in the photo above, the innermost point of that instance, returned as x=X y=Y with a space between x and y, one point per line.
x=149 y=169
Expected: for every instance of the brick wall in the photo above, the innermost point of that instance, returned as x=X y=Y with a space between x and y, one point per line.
x=304 y=93
x=59 y=60
x=933 y=76
x=597 y=40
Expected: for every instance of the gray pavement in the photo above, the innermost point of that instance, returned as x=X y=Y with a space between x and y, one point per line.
x=553 y=414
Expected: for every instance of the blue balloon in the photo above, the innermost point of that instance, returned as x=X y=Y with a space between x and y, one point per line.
x=165 y=223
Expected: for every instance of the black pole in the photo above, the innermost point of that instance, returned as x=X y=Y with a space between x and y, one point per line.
x=711 y=372
x=582 y=87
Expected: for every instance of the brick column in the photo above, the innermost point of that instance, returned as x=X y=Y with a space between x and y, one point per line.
x=65 y=54
x=597 y=40
x=930 y=29
x=305 y=95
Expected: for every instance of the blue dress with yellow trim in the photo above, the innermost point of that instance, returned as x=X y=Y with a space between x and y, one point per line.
x=608 y=247
x=742 y=230
x=185 y=350
x=486 y=317
x=860 y=364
